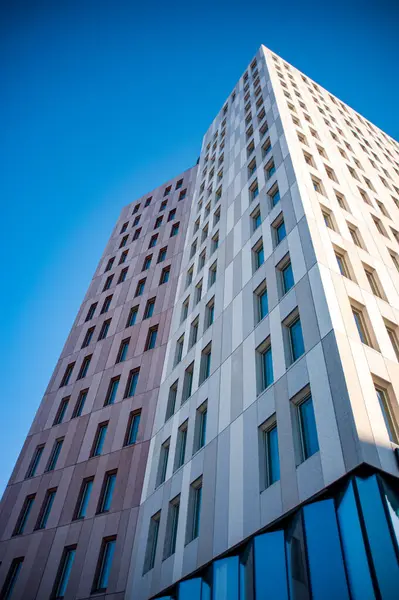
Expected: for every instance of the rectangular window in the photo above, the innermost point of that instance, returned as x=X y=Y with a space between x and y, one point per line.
x=253 y=191
x=265 y=365
x=158 y=222
x=374 y=282
x=123 y=257
x=270 y=169
x=297 y=347
x=193 y=332
x=188 y=382
x=132 y=383
x=24 y=514
x=67 y=375
x=91 y=311
x=274 y=195
x=136 y=209
x=106 y=305
x=163 y=462
x=387 y=414
x=123 y=241
x=59 y=417
x=123 y=275
x=261 y=302
x=287 y=275
x=149 y=308
x=99 y=439
x=198 y=292
x=212 y=274
x=64 y=572
x=209 y=313
x=181 y=443
x=88 y=337
x=205 y=366
x=153 y=241
x=123 y=350
x=147 y=263
x=151 y=338
x=136 y=234
x=55 y=452
x=84 y=367
x=104 y=330
x=163 y=205
x=131 y=320
x=361 y=326
x=171 y=527
x=171 y=404
x=148 y=202
x=164 y=275
x=391 y=331
x=136 y=221
x=354 y=232
x=132 y=428
x=108 y=283
x=258 y=255
x=270 y=460
x=140 y=288
x=46 y=509
x=77 y=411
x=256 y=219
x=184 y=310
x=182 y=195
x=279 y=230
x=107 y=492
x=200 y=427
x=152 y=542
x=171 y=215
x=83 y=498
x=342 y=264
x=179 y=350
x=12 y=577
x=112 y=391
x=162 y=254
x=194 y=510
x=179 y=184
x=307 y=428
x=34 y=462
x=201 y=260
x=104 y=565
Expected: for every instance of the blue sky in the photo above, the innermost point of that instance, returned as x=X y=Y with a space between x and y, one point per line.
x=102 y=101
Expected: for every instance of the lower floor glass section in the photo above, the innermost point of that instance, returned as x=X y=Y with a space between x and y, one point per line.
x=344 y=546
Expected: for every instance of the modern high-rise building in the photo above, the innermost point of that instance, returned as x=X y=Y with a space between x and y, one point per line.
x=223 y=422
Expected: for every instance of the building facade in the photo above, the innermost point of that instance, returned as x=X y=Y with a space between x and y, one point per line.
x=264 y=463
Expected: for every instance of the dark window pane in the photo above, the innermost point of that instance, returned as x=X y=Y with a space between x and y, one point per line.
x=270 y=566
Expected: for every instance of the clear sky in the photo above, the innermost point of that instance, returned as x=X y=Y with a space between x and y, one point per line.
x=103 y=100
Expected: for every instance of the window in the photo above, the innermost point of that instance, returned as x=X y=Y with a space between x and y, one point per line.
x=258 y=255
x=256 y=219
x=215 y=242
x=360 y=321
x=131 y=320
x=162 y=254
x=104 y=565
x=385 y=406
x=59 y=417
x=279 y=230
x=164 y=275
x=136 y=221
x=137 y=234
x=124 y=241
x=181 y=445
x=149 y=308
x=270 y=169
x=179 y=184
x=391 y=331
x=212 y=274
x=148 y=201
x=342 y=264
x=171 y=404
x=12 y=577
x=77 y=411
x=209 y=313
x=204 y=234
x=270 y=460
x=112 y=391
x=264 y=365
x=198 y=292
x=374 y=282
x=266 y=147
x=64 y=572
x=99 y=439
x=106 y=305
x=193 y=248
x=167 y=190
x=67 y=375
x=24 y=514
x=171 y=215
x=153 y=241
x=88 y=337
x=163 y=462
x=253 y=191
x=200 y=426
x=136 y=209
x=194 y=510
x=46 y=509
x=147 y=263
x=104 y=330
x=140 y=288
x=328 y=219
x=132 y=383
x=251 y=168
x=182 y=195
x=184 y=311
x=379 y=226
x=395 y=259
x=108 y=283
x=107 y=492
x=201 y=260
x=123 y=350
x=171 y=527
x=34 y=462
x=341 y=201
x=193 y=332
x=152 y=542
x=151 y=338
x=261 y=302
x=91 y=311
x=55 y=452
x=123 y=275
x=179 y=350
x=188 y=382
x=355 y=235
x=307 y=428
x=109 y=264
x=205 y=366
x=164 y=204
x=83 y=498
x=317 y=186
x=296 y=345
x=132 y=428
x=158 y=222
